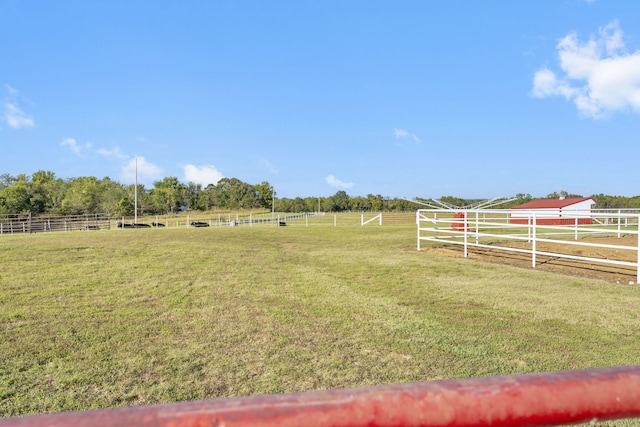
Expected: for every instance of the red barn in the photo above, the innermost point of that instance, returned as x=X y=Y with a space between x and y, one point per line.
x=554 y=211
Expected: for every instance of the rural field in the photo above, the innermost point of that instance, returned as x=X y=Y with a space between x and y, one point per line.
x=111 y=318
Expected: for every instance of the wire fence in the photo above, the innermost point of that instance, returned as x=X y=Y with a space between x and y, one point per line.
x=26 y=223
x=306 y=219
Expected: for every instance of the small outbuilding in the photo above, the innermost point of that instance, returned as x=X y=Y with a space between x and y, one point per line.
x=562 y=211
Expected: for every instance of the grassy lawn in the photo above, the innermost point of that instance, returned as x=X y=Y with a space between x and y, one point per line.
x=126 y=317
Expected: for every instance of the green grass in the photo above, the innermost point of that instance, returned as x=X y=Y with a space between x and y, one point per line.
x=126 y=317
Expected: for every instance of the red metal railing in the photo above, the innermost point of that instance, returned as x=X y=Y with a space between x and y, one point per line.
x=533 y=400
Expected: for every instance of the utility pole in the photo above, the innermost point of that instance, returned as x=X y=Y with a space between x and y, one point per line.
x=273 y=201
x=135 y=196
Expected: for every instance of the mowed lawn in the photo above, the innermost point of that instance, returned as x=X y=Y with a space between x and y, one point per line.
x=128 y=317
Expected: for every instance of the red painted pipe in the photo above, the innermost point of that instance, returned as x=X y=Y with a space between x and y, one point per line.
x=533 y=400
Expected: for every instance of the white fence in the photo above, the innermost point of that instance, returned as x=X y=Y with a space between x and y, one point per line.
x=199 y=220
x=494 y=229
x=288 y=219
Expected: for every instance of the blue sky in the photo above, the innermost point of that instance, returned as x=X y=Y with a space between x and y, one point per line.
x=475 y=99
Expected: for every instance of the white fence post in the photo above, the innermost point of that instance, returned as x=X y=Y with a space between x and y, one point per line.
x=478 y=227
x=619 y=218
x=418 y=222
x=533 y=246
x=466 y=235
x=638 y=258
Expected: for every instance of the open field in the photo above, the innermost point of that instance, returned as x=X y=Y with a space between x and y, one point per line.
x=126 y=317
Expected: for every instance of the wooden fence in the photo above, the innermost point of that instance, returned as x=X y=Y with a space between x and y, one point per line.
x=26 y=223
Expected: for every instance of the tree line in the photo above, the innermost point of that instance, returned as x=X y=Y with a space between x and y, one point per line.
x=44 y=193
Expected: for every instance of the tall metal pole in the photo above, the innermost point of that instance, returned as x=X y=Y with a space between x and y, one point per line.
x=135 y=196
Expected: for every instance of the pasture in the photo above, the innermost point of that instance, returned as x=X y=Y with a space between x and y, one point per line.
x=97 y=319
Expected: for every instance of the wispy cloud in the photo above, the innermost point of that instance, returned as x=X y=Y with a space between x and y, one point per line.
x=599 y=76
x=11 y=90
x=144 y=170
x=12 y=114
x=401 y=134
x=335 y=182
x=114 y=152
x=77 y=149
x=203 y=175
x=16 y=118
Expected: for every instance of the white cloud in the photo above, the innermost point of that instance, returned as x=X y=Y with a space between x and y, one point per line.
x=335 y=182
x=204 y=175
x=11 y=90
x=115 y=152
x=11 y=112
x=16 y=118
x=73 y=145
x=403 y=134
x=145 y=171
x=599 y=76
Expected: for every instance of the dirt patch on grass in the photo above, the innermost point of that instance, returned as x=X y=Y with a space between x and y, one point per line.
x=592 y=269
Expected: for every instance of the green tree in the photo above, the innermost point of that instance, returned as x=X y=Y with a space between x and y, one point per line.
x=312 y=204
x=453 y=201
x=191 y=195
x=341 y=201
x=15 y=198
x=116 y=199
x=7 y=180
x=242 y=195
x=82 y=196
x=265 y=194
x=375 y=202
x=46 y=192
x=167 y=195
x=359 y=203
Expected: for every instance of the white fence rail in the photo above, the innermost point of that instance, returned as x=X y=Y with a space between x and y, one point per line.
x=496 y=230
x=364 y=222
